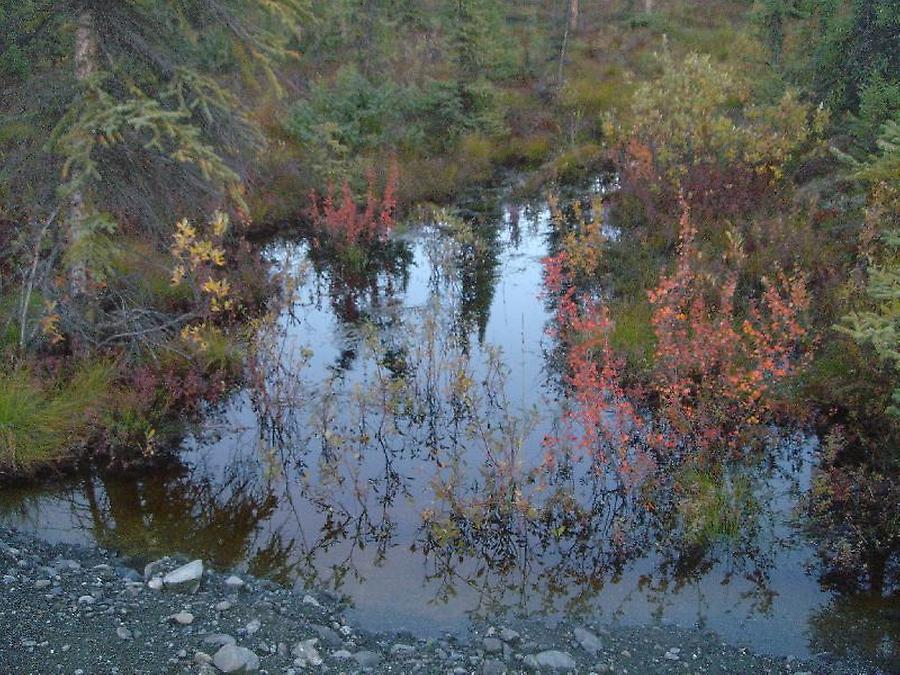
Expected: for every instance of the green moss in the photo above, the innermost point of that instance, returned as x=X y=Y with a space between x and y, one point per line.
x=633 y=333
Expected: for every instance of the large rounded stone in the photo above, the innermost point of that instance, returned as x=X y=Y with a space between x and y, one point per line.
x=234 y=659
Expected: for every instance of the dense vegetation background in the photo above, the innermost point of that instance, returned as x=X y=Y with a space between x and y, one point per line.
x=141 y=143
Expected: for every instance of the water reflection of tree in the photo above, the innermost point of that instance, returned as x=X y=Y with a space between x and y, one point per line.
x=477 y=261
x=356 y=291
x=864 y=628
x=177 y=509
x=513 y=532
x=552 y=544
x=355 y=512
x=506 y=527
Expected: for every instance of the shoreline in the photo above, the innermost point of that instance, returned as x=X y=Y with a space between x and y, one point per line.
x=70 y=609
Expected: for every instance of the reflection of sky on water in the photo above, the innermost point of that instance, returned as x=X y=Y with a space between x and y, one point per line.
x=290 y=501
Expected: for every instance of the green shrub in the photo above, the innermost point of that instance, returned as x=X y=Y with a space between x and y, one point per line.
x=14 y=64
x=879 y=103
x=700 y=112
x=443 y=111
x=360 y=111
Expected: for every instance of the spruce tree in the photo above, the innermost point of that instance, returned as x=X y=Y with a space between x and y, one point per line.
x=126 y=100
x=127 y=114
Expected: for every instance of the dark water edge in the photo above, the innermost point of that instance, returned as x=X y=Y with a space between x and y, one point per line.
x=353 y=466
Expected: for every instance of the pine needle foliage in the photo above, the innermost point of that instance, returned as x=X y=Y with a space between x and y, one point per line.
x=150 y=102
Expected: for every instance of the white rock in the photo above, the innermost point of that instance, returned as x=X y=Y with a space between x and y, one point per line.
x=186 y=578
x=588 y=641
x=367 y=659
x=218 y=640
x=306 y=653
x=234 y=582
x=253 y=627
x=550 y=660
x=400 y=648
x=508 y=635
x=155 y=584
x=201 y=658
x=310 y=600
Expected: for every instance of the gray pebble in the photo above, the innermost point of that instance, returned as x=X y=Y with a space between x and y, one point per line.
x=233 y=659
x=492 y=645
x=367 y=659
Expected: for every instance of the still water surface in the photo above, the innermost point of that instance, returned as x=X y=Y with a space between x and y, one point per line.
x=394 y=417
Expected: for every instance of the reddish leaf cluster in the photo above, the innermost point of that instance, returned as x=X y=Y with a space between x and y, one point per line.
x=714 y=371
x=715 y=192
x=345 y=223
x=711 y=389
x=603 y=423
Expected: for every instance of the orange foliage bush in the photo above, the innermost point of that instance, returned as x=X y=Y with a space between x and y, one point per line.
x=603 y=422
x=712 y=389
x=715 y=371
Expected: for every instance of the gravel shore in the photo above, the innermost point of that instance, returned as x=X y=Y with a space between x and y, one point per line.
x=78 y=610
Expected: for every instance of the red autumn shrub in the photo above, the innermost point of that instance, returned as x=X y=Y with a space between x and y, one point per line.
x=603 y=424
x=715 y=371
x=712 y=389
x=717 y=192
x=347 y=224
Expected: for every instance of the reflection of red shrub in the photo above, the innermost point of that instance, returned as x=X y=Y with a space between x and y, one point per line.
x=347 y=224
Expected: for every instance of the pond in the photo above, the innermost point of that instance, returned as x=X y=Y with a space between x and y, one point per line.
x=390 y=448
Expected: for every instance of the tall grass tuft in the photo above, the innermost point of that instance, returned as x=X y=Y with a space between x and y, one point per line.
x=714 y=508
x=45 y=423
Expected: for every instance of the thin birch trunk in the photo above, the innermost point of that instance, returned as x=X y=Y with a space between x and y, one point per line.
x=85 y=68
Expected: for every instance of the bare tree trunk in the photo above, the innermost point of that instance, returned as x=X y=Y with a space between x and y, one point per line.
x=648 y=6
x=30 y=280
x=571 y=24
x=85 y=67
